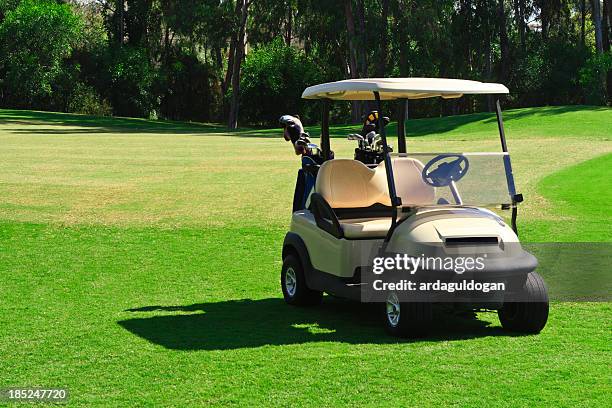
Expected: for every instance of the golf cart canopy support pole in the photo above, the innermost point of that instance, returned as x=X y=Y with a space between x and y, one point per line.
x=395 y=201
x=401 y=125
x=516 y=198
x=325 y=129
x=500 y=126
x=507 y=164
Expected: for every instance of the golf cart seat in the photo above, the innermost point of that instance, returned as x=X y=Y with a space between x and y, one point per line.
x=349 y=184
x=409 y=184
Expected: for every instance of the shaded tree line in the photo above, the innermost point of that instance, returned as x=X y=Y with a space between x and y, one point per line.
x=247 y=61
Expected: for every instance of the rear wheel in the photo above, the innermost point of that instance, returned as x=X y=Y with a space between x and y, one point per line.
x=530 y=315
x=406 y=319
x=293 y=284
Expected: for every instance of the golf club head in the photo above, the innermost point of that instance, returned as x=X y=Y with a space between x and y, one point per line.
x=292 y=127
x=371 y=137
x=355 y=136
x=300 y=146
x=367 y=128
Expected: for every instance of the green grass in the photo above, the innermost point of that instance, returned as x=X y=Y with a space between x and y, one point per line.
x=584 y=189
x=580 y=196
x=140 y=264
x=578 y=121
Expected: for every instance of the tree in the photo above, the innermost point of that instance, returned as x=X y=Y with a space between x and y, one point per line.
x=237 y=63
x=607 y=45
x=583 y=22
x=120 y=21
x=519 y=17
x=275 y=75
x=599 y=47
x=384 y=41
x=35 y=40
x=503 y=41
x=605 y=25
x=353 y=56
x=596 y=15
x=183 y=59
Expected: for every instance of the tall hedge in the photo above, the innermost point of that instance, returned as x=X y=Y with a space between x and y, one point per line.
x=273 y=78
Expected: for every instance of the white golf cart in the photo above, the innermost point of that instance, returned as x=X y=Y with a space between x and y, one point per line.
x=423 y=205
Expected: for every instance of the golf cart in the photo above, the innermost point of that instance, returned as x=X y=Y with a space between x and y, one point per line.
x=384 y=204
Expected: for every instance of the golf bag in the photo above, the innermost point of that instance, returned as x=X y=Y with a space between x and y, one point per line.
x=311 y=159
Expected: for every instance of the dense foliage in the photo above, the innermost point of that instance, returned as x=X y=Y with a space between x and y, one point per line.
x=276 y=74
x=248 y=60
x=36 y=38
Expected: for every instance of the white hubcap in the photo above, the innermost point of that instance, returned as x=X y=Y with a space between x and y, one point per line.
x=290 y=281
x=393 y=309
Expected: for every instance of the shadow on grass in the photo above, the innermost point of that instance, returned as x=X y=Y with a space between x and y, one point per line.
x=54 y=123
x=253 y=323
x=438 y=125
x=99 y=124
x=488 y=120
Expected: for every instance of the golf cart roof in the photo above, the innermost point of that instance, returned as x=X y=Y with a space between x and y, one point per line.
x=400 y=88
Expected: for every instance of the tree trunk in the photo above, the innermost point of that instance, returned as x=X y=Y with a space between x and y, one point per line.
x=404 y=64
x=289 y=25
x=232 y=51
x=384 y=41
x=362 y=48
x=489 y=73
x=350 y=27
x=218 y=57
x=469 y=58
x=596 y=15
x=503 y=41
x=230 y=65
x=582 y=21
x=519 y=17
x=606 y=47
x=608 y=42
x=605 y=25
x=121 y=22
x=363 y=43
x=544 y=19
x=400 y=11
x=240 y=48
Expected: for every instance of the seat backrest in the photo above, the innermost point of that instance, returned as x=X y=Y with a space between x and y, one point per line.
x=409 y=184
x=346 y=183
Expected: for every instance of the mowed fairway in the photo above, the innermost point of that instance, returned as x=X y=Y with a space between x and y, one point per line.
x=140 y=264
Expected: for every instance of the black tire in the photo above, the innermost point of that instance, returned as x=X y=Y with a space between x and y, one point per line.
x=530 y=315
x=413 y=320
x=295 y=290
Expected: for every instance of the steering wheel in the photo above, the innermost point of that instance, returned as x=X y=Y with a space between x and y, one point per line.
x=452 y=168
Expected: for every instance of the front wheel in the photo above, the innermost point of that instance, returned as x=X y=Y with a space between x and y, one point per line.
x=293 y=284
x=530 y=315
x=407 y=319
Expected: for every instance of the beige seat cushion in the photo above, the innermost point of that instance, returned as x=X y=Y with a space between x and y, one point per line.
x=366 y=227
x=346 y=183
x=409 y=184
